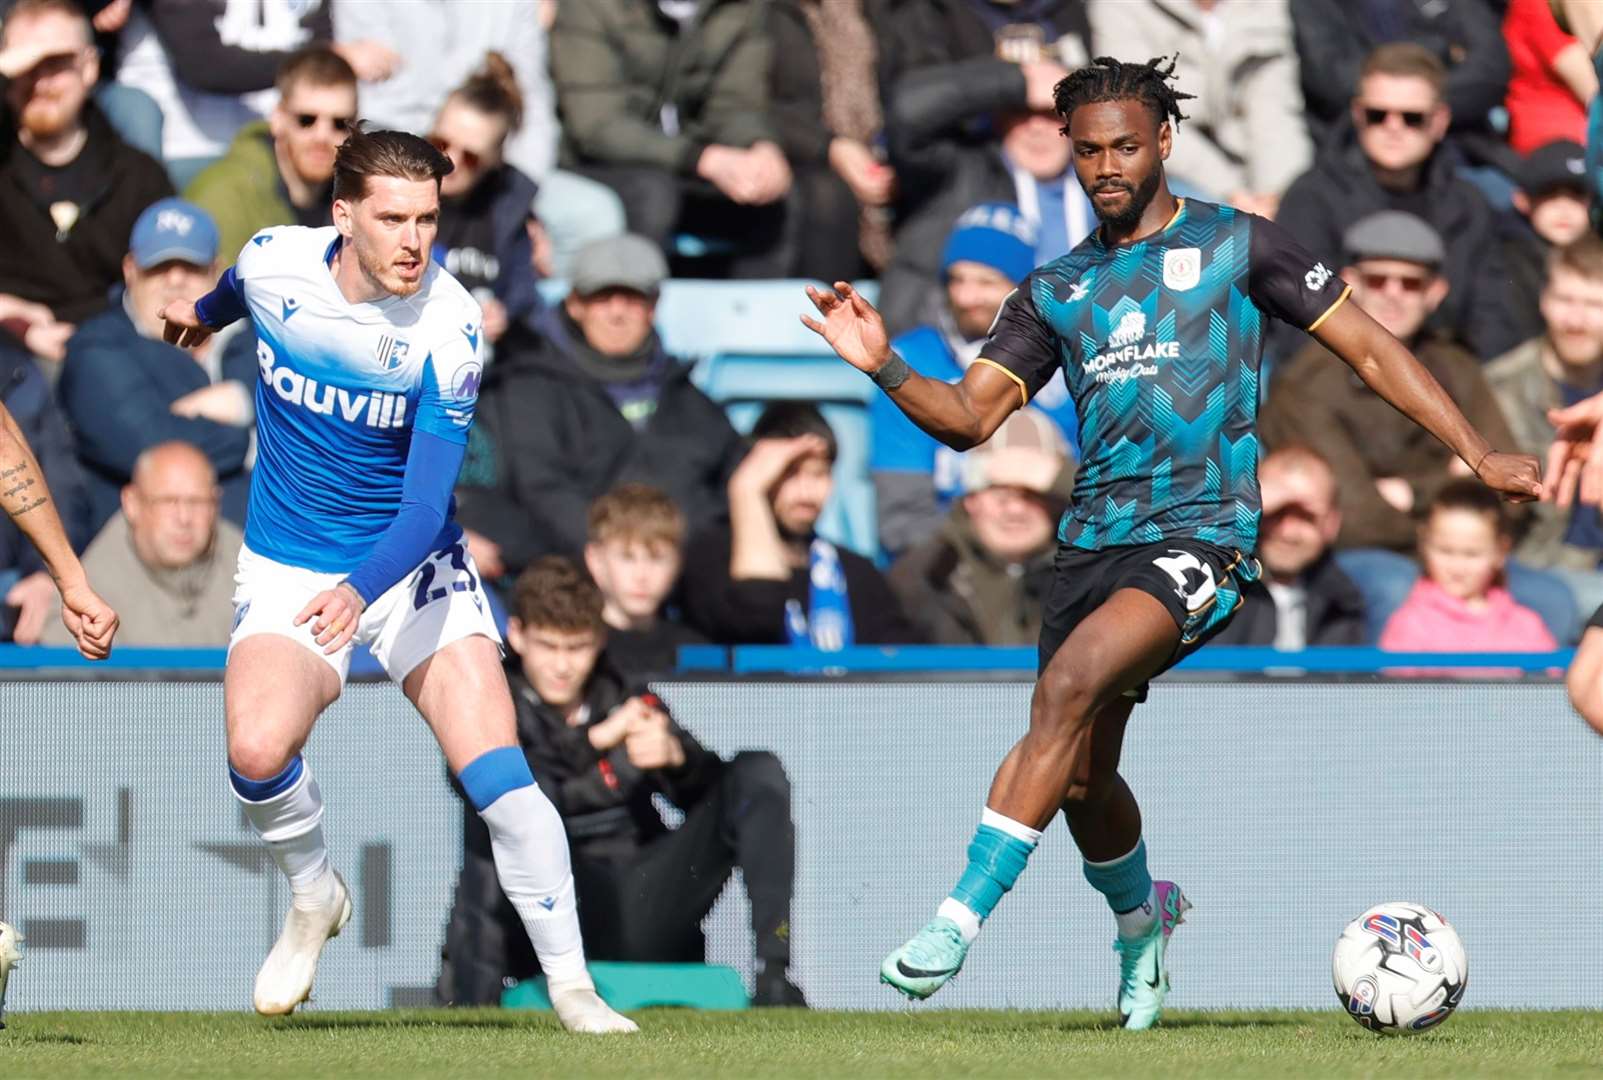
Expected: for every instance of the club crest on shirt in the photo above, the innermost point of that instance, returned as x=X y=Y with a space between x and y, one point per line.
x=1182 y=268
x=391 y=352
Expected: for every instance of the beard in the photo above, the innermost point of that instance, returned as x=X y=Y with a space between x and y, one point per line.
x=383 y=274
x=1140 y=198
x=314 y=166
x=45 y=118
x=797 y=526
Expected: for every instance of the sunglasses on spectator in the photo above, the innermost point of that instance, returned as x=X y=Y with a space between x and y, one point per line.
x=1409 y=283
x=341 y=124
x=1374 y=117
x=468 y=159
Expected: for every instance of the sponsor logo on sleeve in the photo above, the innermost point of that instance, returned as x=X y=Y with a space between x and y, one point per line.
x=1315 y=279
x=466 y=385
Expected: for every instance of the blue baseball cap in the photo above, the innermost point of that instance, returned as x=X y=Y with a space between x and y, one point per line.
x=173 y=229
x=995 y=235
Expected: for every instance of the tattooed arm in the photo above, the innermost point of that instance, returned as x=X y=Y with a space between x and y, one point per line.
x=25 y=496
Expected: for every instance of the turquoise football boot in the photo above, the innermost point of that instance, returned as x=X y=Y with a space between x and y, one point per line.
x=1143 y=973
x=930 y=957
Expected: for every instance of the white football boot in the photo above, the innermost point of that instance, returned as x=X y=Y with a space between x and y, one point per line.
x=285 y=979
x=581 y=1010
x=10 y=956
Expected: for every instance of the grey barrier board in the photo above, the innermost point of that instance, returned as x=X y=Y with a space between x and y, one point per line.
x=1283 y=809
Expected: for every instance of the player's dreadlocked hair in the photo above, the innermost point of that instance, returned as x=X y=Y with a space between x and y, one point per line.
x=1107 y=79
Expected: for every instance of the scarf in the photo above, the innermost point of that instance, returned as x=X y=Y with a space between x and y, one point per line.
x=633 y=381
x=827 y=622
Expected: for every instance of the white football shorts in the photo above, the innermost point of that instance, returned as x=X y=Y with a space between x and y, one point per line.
x=440 y=602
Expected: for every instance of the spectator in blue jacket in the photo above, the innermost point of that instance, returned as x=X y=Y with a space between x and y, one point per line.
x=125 y=390
x=30 y=595
x=916 y=479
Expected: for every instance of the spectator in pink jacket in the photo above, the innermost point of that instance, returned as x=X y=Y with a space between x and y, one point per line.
x=1461 y=604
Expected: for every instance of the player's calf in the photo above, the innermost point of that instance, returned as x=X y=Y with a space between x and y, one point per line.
x=286 y=810
x=531 y=861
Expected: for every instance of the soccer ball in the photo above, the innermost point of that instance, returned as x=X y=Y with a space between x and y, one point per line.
x=1399 y=969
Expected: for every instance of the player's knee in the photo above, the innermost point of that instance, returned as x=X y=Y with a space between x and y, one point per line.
x=259 y=755
x=1063 y=702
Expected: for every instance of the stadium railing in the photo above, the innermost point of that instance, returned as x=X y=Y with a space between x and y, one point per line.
x=889 y=660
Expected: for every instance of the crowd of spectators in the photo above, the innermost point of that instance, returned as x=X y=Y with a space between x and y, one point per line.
x=1432 y=150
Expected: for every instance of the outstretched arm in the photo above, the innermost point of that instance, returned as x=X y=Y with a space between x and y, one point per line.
x=187 y=324
x=961 y=415
x=26 y=498
x=1389 y=369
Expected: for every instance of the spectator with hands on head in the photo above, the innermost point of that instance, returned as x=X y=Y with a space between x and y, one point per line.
x=769 y=578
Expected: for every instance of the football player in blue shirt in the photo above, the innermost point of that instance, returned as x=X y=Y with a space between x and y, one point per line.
x=370 y=361
x=1156 y=321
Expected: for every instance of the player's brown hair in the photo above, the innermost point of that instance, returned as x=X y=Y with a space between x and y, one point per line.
x=1406 y=59
x=493 y=90
x=1584 y=257
x=554 y=594
x=315 y=65
x=1468 y=494
x=637 y=514
x=385 y=153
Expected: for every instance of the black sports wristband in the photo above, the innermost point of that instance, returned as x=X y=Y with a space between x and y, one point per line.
x=892 y=373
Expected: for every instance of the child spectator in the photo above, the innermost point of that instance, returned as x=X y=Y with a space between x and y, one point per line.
x=1554 y=205
x=635 y=551
x=1462 y=603
x=610 y=756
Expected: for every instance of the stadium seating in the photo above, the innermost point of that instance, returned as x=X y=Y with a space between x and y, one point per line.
x=750 y=348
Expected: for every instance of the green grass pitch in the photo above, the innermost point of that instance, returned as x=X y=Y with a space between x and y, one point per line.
x=925 y=1043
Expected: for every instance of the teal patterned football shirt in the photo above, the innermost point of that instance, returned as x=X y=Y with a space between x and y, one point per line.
x=1160 y=343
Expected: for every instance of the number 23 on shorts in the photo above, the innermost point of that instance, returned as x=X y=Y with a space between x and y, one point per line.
x=425 y=591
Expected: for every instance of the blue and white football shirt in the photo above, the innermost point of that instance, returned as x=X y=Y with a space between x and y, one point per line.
x=343 y=388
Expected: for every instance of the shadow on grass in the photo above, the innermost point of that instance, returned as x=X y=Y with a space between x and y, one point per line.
x=483 y=1021
x=1181 y=1023
x=14 y=1037
x=1203 y=1023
